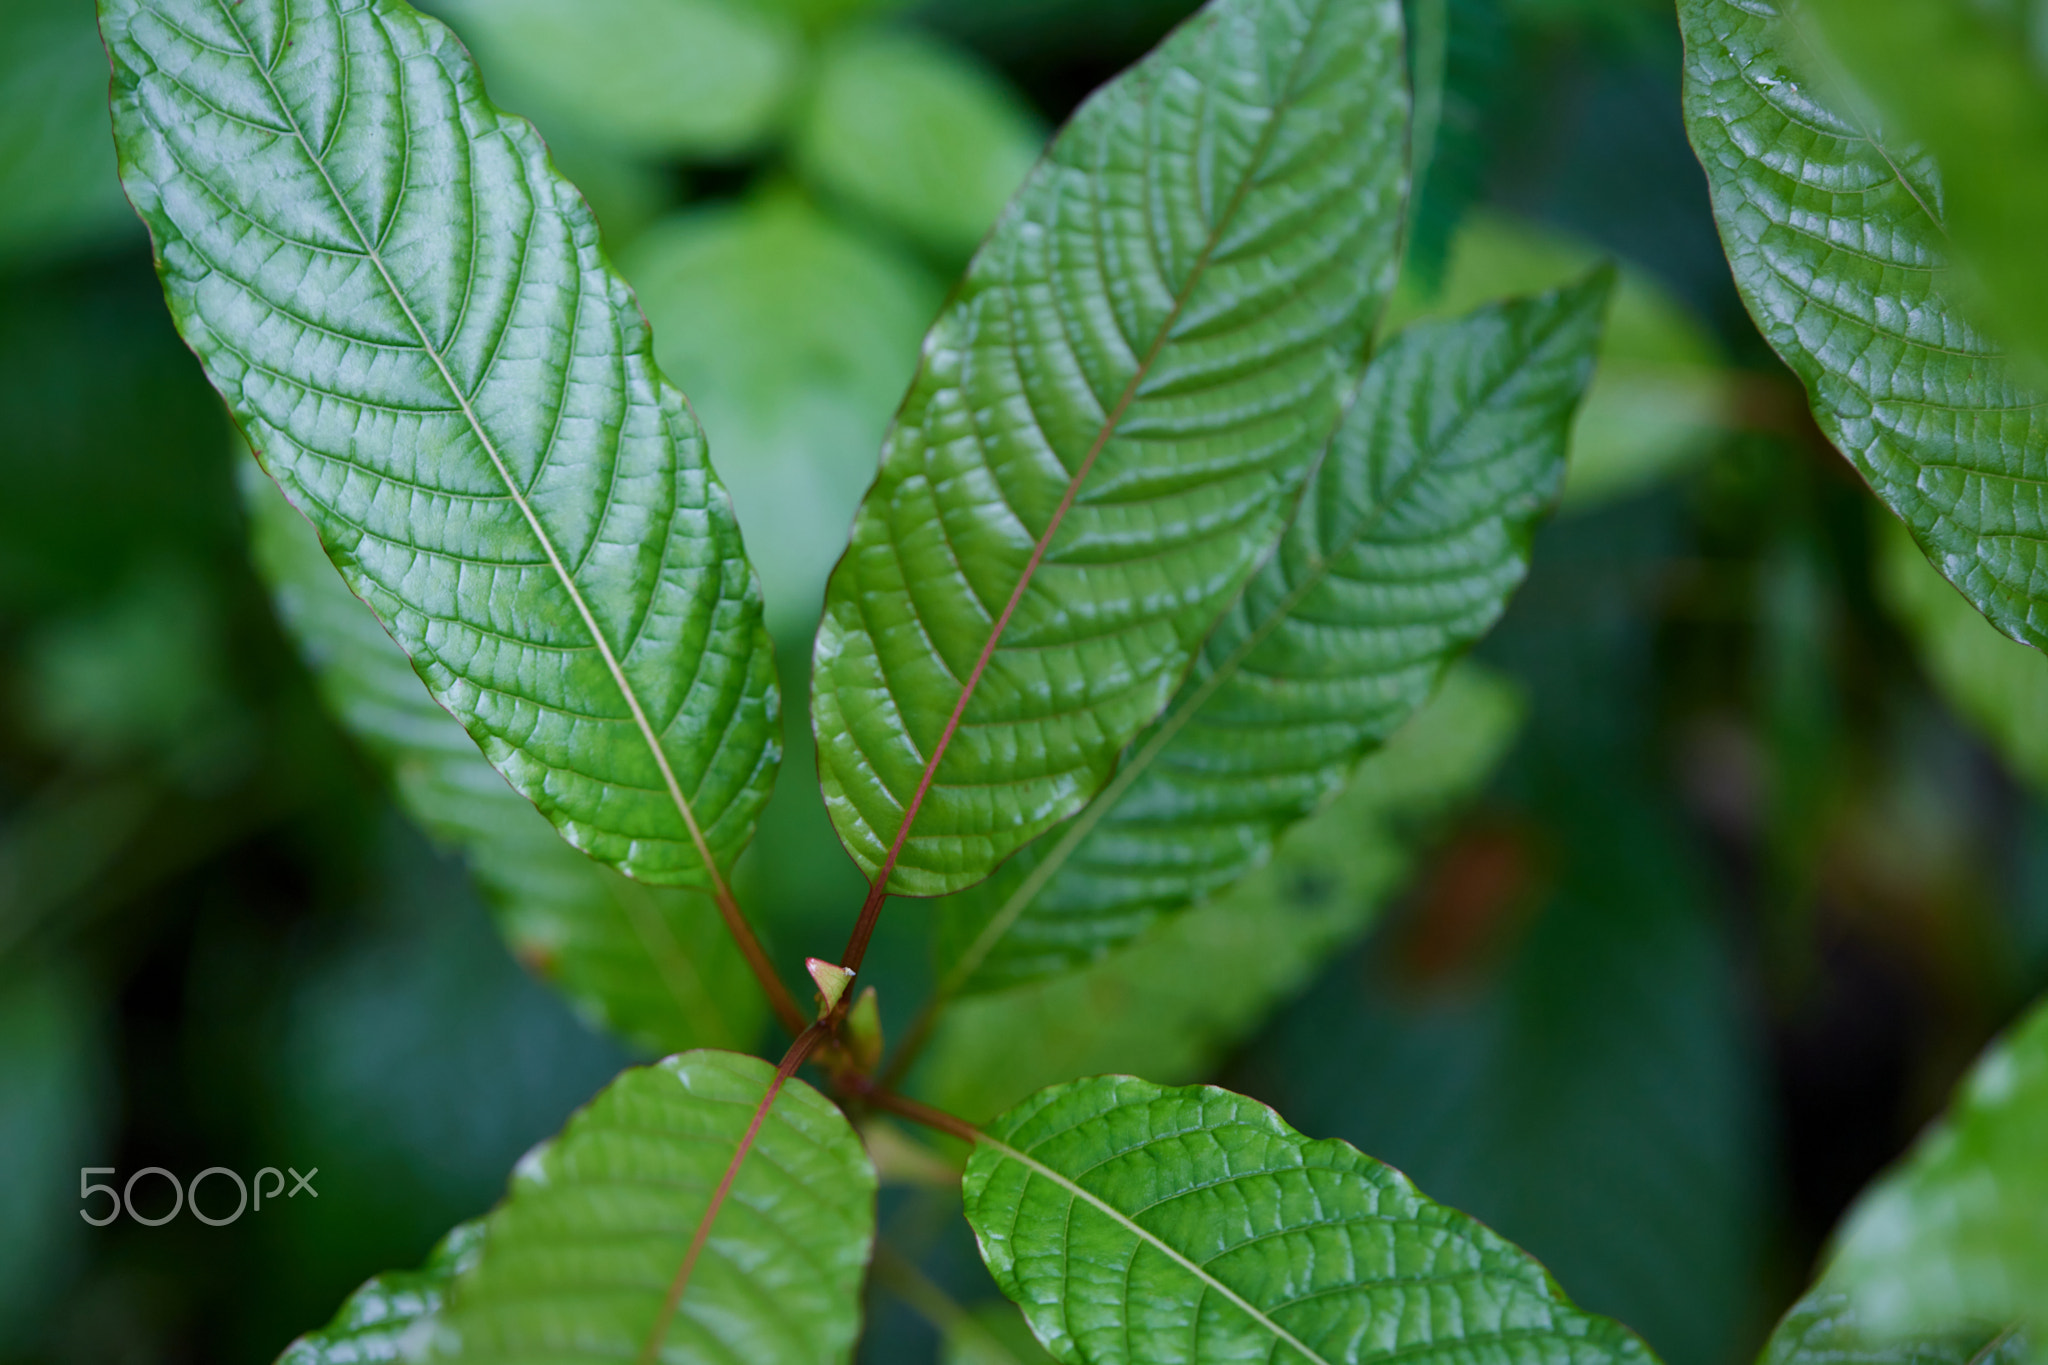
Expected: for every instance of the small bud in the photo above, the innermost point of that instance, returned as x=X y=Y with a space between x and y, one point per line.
x=832 y=980
x=864 y=1031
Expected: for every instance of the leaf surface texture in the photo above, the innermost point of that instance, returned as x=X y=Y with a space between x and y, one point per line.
x=1135 y=1223
x=651 y=964
x=408 y=313
x=1836 y=234
x=1175 y=1001
x=1823 y=1329
x=1110 y=423
x=580 y=1261
x=1412 y=534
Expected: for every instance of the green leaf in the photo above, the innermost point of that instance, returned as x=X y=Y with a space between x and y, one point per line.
x=1460 y=60
x=797 y=337
x=1822 y=1329
x=1961 y=77
x=1112 y=419
x=918 y=133
x=409 y=316
x=581 y=1261
x=1135 y=1223
x=1661 y=394
x=1836 y=237
x=381 y=1320
x=1957 y=1234
x=683 y=77
x=1997 y=685
x=59 y=188
x=1411 y=535
x=653 y=965
x=1171 y=1004
x=992 y=1335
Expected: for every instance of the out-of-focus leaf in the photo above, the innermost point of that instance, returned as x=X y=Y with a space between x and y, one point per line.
x=59 y=188
x=653 y=965
x=380 y=1321
x=1660 y=395
x=918 y=133
x=1169 y=1005
x=53 y=1084
x=1585 y=1085
x=1961 y=77
x=1458 y=52
x=796 y=338
x=1822 y=1329
x=1995 y=683
x=1134 y=1223
x=1410 y=537
x=407 y=311
x=1112 y=417
x=1957 y=1235
x=1839 y=244
x=100 y=493
x=581 y=1261
x=686 y=77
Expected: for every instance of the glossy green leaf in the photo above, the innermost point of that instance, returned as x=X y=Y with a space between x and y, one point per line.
x=696 y=77
x=1997 y=685
x=381 y=1321
x=1957 y=1234
x=1962 y=77
x=1661 y=394
x=408 y=313
x=651 y=964
x=1823 y=1329
x=1134 y=1223
x=59 y=188
x=796 y=336
x=1410 y=537
x=917 y=133
x=1111 y=422
x=581 y=1261
x=1173 y=1003
x=1839 y=248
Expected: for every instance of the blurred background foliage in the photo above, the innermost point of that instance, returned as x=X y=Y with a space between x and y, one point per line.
x=1649 y=943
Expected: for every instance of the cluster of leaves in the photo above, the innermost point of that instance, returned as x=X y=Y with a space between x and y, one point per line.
x=1178 y=525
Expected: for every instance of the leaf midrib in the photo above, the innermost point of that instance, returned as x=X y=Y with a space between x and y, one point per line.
x=1254 y=167
x=375 y=256
x=1151 y=1239
x=1098 y=810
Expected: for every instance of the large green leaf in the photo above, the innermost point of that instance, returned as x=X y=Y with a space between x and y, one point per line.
x=1823 y=1329
x=1111 y=422
x=1958 y=1234
x=652 y=964
x=1412 y=534
x=1661 y=394
x=408 y=313
x=582 y=1260
x=797 y=336
x=383 y=1319
x=1134 y=1223
x=701 y=77
x=1839 y=248
x=58 y=185
x=1173 y=1003
x=918 y=133
x=1973 y=83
